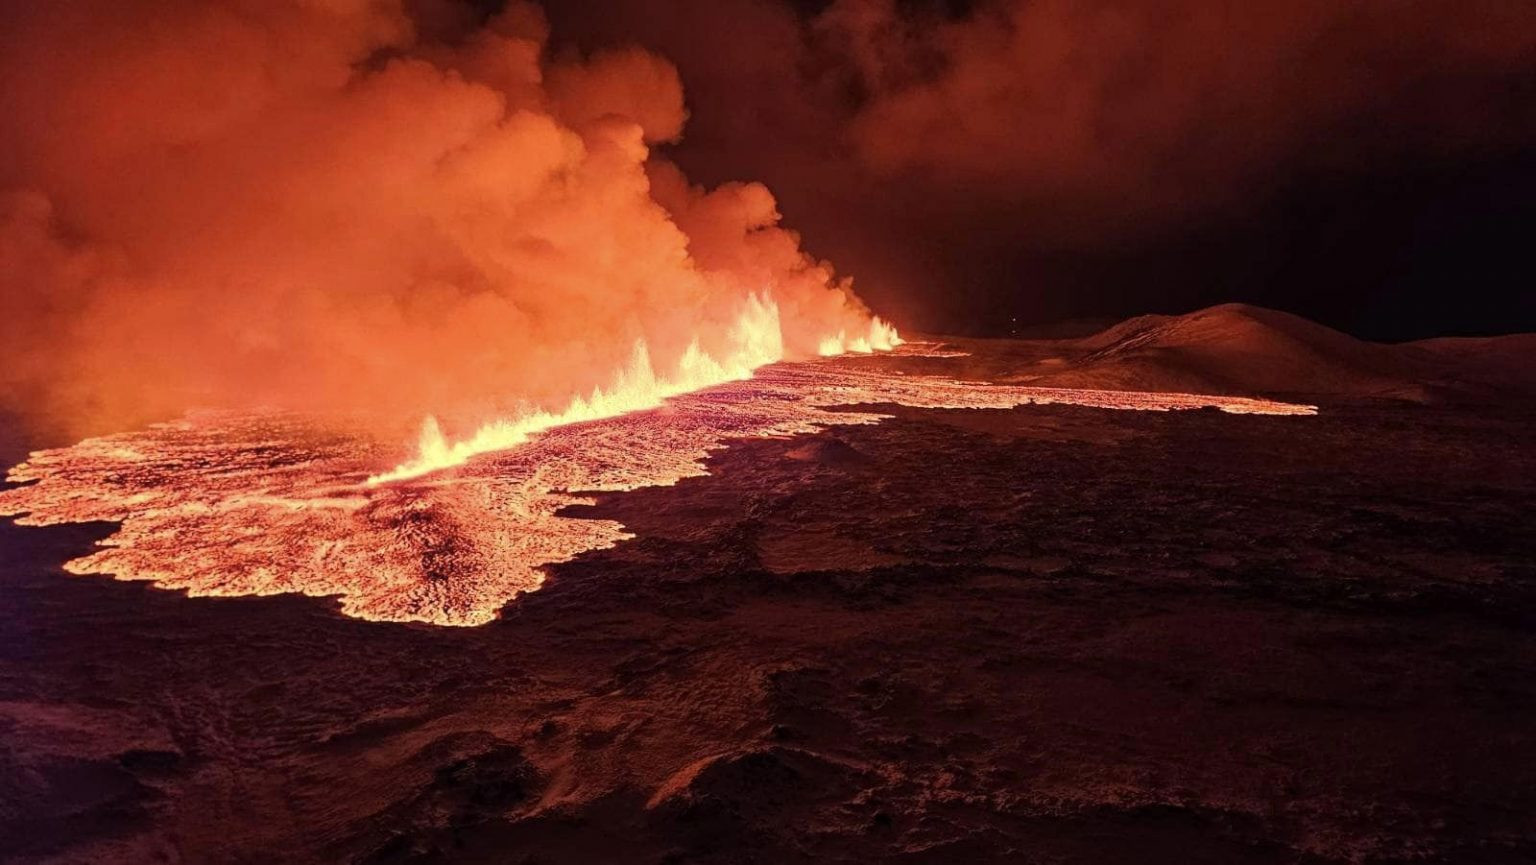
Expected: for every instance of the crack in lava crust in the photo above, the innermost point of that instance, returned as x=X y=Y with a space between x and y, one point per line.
x=251 y=504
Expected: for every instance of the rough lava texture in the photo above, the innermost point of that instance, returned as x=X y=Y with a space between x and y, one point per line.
x=241 y=503
x=1049 y=633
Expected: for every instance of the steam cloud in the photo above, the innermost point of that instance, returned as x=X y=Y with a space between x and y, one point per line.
x=979 y=145
x=356 y=205
x=1173 y=103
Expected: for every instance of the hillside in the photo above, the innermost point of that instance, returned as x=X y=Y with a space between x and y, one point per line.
x=1235 y=348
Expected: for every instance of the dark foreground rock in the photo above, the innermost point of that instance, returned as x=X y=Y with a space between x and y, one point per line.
x=1041 y=635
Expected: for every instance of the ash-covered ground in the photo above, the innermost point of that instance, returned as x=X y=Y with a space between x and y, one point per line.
x=1042 y=634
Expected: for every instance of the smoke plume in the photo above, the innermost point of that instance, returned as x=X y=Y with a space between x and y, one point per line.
x=358 y=205
x=967 y=157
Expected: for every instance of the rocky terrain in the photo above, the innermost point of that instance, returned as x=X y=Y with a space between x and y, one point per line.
x=1050 y=633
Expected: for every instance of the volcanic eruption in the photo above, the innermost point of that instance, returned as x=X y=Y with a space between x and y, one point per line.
x=325 y=206
x=430 y=441
x=317 y=224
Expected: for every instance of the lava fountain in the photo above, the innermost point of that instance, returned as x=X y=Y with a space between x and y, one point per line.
x=755 y=340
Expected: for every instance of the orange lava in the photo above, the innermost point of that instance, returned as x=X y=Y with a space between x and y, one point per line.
x=756 y=340
x=249 y=504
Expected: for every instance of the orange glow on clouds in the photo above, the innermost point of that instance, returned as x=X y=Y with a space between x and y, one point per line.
x=317 y=207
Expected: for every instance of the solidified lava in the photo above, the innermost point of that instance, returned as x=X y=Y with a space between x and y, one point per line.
x=918 y=635
x=249 y=504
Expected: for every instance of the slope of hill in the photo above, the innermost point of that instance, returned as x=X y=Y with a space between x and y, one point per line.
x=1235 y=348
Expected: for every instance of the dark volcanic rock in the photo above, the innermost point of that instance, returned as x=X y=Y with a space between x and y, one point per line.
x=476 y=778
x=828 y=451
x=1050 y=634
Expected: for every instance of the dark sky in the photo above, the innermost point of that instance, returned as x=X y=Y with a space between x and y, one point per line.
x=1371 y=165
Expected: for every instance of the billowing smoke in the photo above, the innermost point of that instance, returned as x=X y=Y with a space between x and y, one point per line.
x=358 y=205
x=1172 y=105
x=970 y=156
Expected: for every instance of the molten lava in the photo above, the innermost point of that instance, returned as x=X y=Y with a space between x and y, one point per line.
x=755 y=341
x=258 y=504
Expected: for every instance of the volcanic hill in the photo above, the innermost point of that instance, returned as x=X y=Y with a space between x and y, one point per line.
x=1239 y=349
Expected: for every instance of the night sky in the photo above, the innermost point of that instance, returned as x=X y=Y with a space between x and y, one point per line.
x=1368 y=165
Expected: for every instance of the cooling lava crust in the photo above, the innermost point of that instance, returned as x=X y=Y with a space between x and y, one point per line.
x=1050 y=633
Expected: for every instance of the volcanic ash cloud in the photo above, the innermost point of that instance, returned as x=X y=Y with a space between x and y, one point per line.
x=356 y=207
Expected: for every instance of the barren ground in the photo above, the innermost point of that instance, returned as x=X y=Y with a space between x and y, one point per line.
x=1046 y=634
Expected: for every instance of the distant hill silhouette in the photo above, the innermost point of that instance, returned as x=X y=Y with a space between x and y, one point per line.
x=1236 y=348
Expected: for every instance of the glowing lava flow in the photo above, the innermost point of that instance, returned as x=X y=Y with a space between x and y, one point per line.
x=240 y=504
x=756 y=340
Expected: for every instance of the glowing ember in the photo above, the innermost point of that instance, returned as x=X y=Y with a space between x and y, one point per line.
x=241 y=504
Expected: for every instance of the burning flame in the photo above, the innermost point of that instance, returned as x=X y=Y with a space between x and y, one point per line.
x=881 y=337
x=756 y=340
